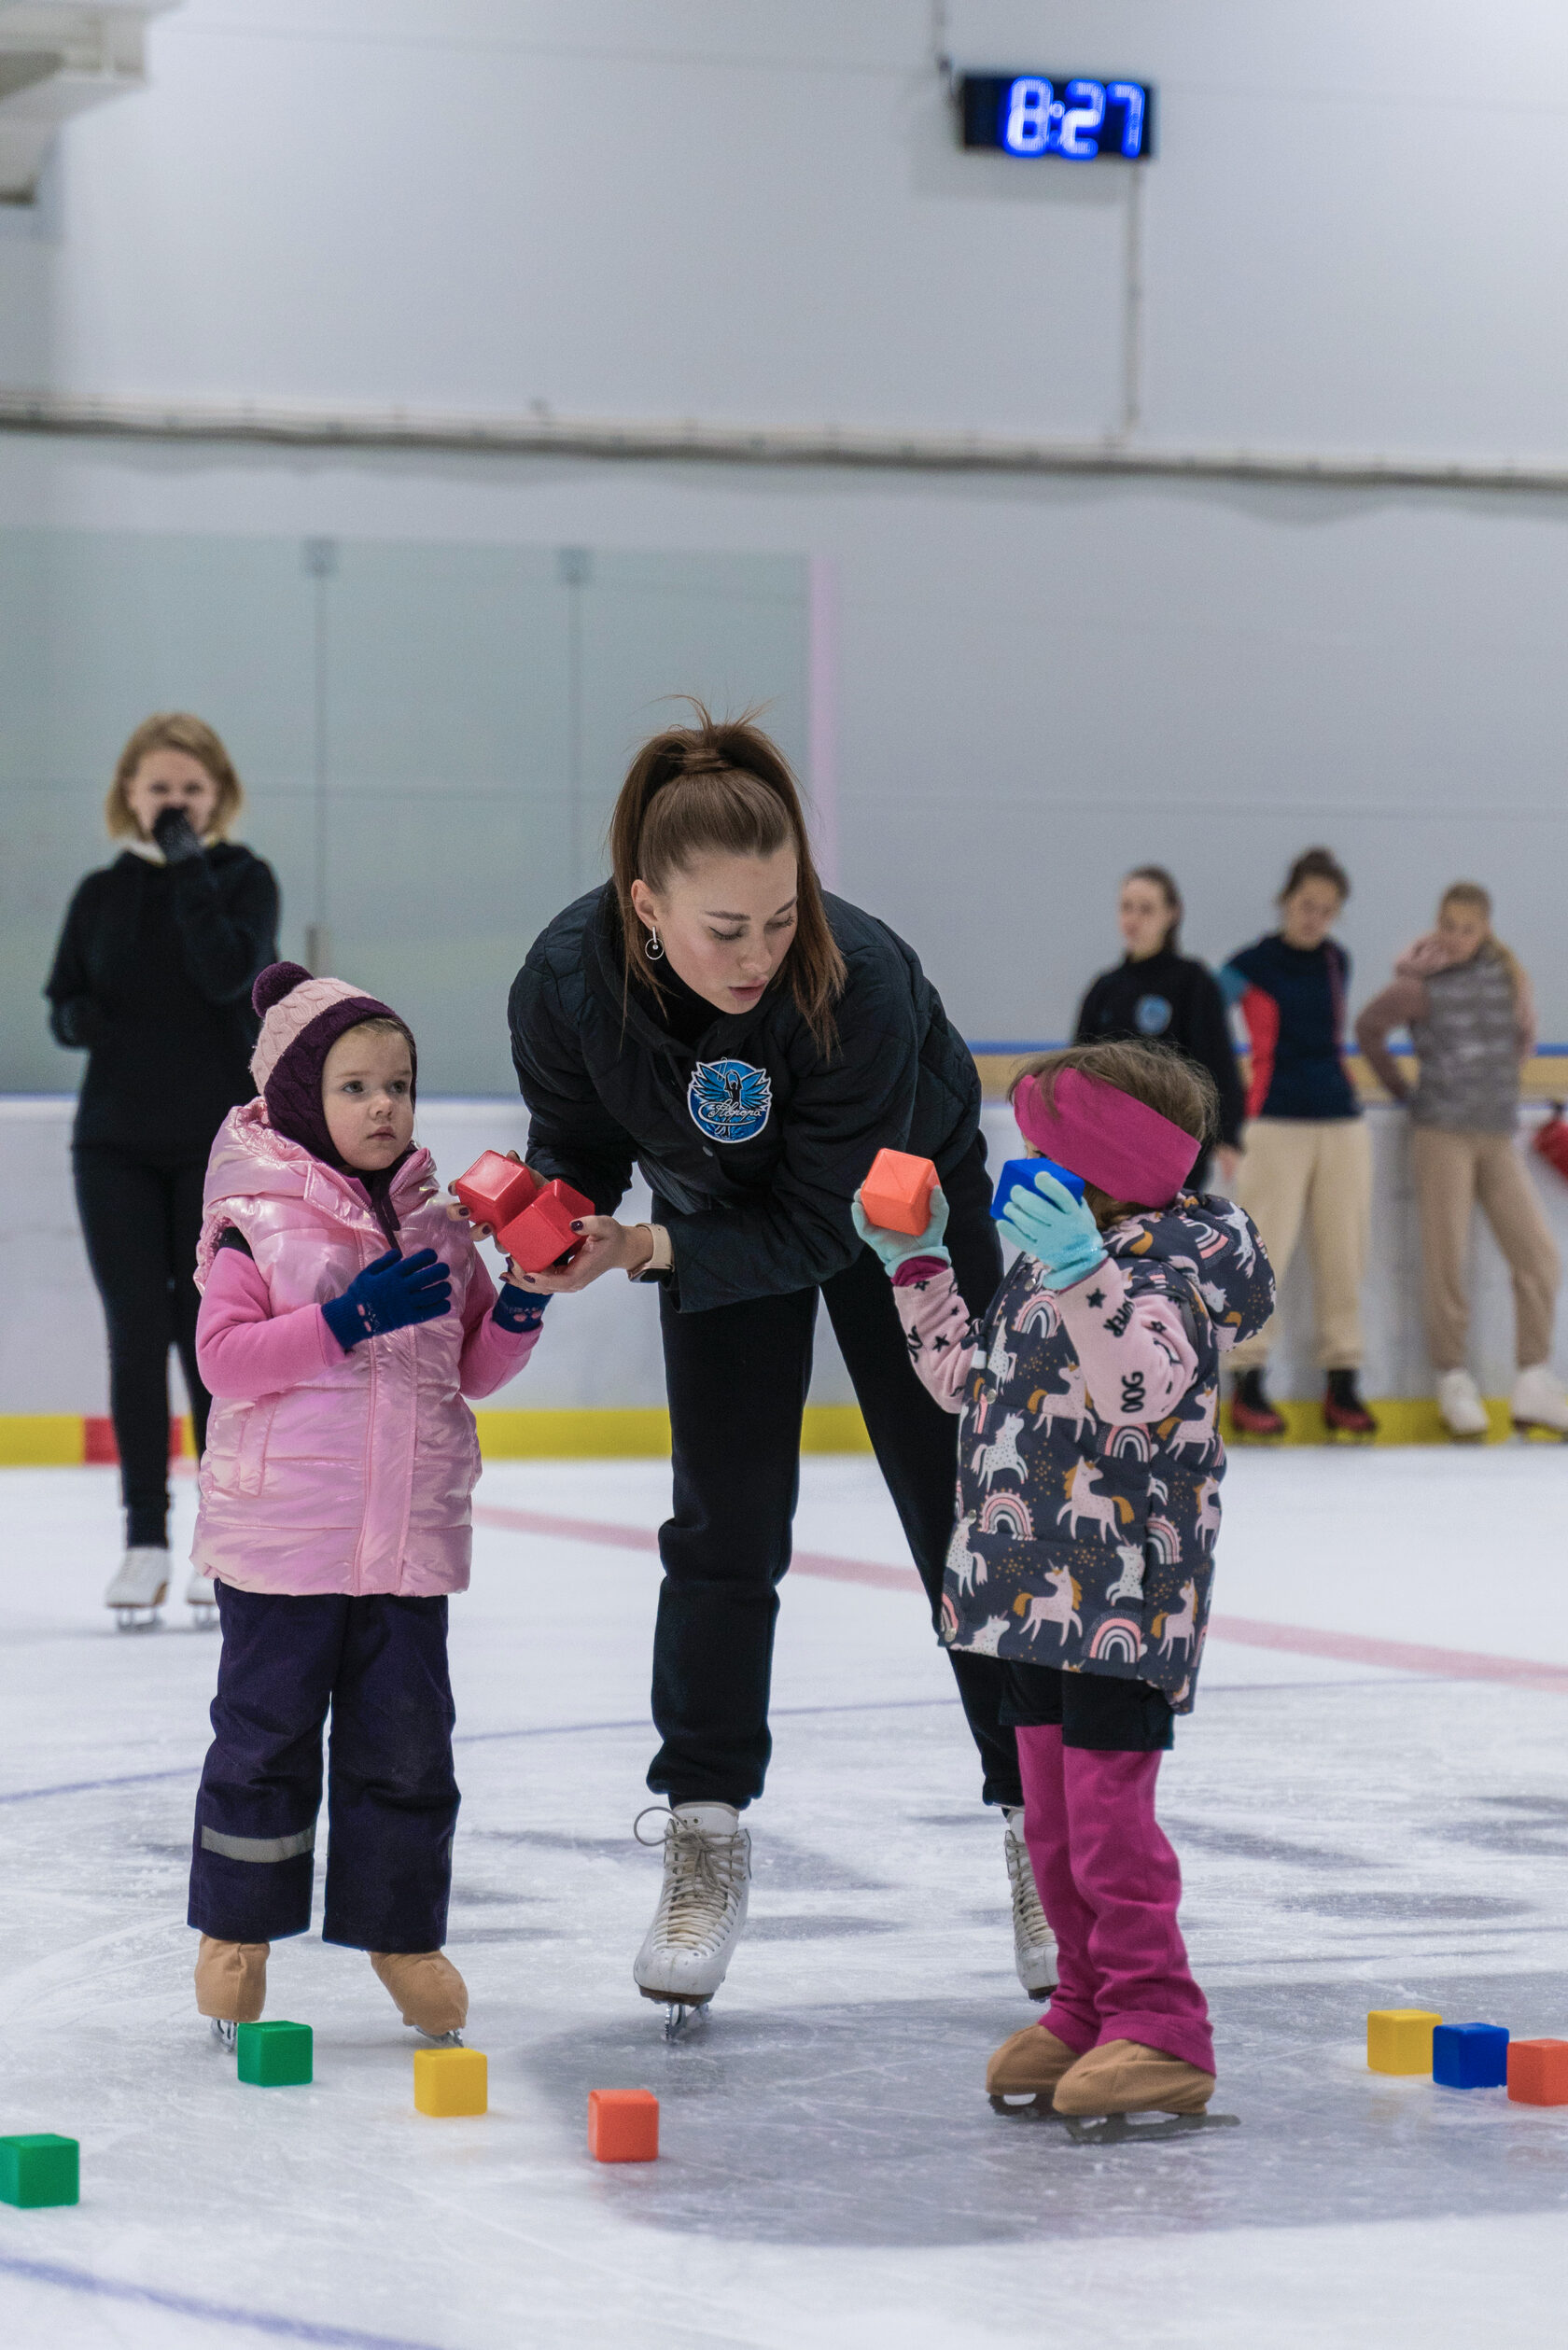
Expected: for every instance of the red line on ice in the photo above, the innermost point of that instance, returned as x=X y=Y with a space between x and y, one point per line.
x=817 y=1562
x=1299 y=1639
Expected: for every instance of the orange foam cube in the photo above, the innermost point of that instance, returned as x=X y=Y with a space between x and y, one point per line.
x=623 y=2125
x=896 y=1195
x=1538 y=2072
x=543 y=1232
x=495 y=1189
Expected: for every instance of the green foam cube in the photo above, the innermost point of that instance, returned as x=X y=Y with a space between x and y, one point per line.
x=38 y=2170
x=274 y=2055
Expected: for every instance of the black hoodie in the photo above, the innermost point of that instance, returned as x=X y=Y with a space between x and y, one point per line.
x=152 y=976
x=753 y=1140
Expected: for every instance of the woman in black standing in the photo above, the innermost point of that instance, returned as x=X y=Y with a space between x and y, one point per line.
x=1157 y=995
x=709 y=1014
x=152 y=978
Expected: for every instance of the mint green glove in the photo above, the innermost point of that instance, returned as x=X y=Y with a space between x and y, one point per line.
x=1056 y=1229
x=896 y=1248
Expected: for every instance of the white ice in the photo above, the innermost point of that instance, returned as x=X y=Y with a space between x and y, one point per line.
x=1353 y=1834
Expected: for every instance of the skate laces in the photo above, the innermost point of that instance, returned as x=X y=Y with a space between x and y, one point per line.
x=1029 y=1922
x=705 y=1870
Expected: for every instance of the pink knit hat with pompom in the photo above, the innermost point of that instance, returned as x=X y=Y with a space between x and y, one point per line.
x=301 y=1019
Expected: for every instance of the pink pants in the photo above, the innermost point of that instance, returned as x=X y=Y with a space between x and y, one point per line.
x=1110 y=1886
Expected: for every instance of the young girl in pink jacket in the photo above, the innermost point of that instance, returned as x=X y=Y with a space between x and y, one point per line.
x=343 y=1317
x=1089 y=1468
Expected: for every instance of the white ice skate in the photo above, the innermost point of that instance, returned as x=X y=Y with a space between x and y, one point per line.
x=1460 y=1406
x=701 y=1912
x=1034 y=1945
x=201 y=1598
x=140 y=1588
x=1538 y=1402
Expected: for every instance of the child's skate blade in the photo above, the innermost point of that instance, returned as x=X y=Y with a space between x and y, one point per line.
x=1037 y=2107
x=1125 y=2129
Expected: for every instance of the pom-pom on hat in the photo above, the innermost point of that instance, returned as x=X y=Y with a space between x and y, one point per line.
x=301 y=1019
x=1120 y=1145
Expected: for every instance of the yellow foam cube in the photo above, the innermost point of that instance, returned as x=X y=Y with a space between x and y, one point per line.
x=1399 y=2039
x=449 y=2081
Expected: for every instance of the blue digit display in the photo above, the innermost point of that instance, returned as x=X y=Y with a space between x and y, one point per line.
x=1070 y=115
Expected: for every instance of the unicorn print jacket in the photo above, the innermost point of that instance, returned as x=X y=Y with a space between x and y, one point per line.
x=1089 y=1457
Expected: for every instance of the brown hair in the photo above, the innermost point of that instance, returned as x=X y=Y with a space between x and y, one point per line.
x=1470 y=893
x=721 y=788
x=1316 y=864
x=174 y=729
x=1166 y=884
x=1156 y=1074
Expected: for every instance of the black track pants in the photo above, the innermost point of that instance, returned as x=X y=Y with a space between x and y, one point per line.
x=141 y=1220
x=738 y=1378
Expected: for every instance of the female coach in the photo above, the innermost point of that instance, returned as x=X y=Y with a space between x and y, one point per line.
x=751 y=1044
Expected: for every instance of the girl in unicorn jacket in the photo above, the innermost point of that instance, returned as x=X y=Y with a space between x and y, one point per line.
x=1089 y=1467
x=344 y=1315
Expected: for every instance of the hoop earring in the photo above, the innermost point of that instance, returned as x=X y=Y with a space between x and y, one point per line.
x=652 y=947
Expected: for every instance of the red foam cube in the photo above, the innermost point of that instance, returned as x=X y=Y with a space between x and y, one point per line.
x=543 y=1234
x=1538 y=2072
x=896 y=1195
x=623 y=2125
x=495 y=1189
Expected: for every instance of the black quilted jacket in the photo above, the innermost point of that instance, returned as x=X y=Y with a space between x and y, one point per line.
x=753 y=1140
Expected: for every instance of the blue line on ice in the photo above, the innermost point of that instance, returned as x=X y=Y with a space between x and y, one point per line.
x=464 y=1738
x=186 y=2305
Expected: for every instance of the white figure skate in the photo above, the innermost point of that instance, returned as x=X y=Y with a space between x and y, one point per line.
x=1460 y=1406
x=139 y=1589
x=1034 y=1945
x=701 y=1912
x=1538 y=1402
x=201 y=1598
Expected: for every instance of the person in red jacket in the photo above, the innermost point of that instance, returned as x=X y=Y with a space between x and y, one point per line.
x=1308 y=1159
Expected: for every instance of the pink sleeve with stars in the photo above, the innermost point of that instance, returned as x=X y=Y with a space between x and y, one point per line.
x=1137 y=1359
x=936 y=1326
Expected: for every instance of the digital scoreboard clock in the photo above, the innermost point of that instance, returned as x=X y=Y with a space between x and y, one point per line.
x=1070 y=115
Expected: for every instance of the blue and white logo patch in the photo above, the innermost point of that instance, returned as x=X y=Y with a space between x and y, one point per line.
x=1152 y=1016
x=730 y=1100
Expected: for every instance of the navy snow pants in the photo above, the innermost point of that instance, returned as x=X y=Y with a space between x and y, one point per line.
x=379 y=1665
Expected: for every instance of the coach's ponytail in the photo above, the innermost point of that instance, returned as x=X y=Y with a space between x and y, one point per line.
x=721 y=788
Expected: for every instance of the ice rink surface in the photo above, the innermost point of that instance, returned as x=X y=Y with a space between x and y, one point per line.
x=1371 y=1806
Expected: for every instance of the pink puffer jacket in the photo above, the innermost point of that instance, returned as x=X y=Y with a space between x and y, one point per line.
x=326 y=1471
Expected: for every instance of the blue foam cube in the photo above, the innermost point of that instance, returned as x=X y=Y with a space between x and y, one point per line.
x=1470 y=2056
x=1019 y=1174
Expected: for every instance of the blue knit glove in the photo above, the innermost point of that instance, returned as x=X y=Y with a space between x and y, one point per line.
x=390 y=1295
x=519 y=1309
x=896 y=1248
x=1056 y=1229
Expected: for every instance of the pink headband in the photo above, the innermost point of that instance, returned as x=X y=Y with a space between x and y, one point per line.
x=1120 y=1145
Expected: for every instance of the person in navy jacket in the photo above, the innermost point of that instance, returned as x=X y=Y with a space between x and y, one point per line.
x=1308 y=1157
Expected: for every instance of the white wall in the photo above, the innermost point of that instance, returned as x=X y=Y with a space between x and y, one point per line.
x=1352 y=240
